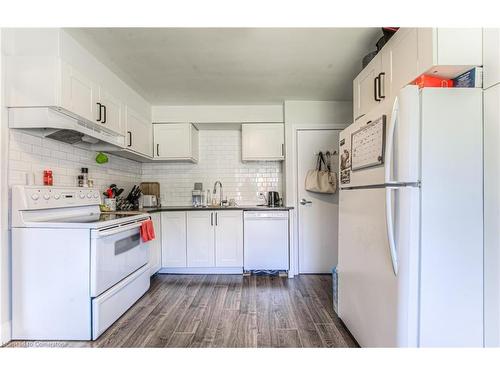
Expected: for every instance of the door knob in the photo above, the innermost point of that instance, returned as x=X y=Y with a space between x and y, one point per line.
x=303 y=201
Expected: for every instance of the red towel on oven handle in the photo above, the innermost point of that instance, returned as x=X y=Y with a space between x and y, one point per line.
x=147 y=231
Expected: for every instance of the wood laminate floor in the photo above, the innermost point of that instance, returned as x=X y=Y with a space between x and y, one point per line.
x=225 y=311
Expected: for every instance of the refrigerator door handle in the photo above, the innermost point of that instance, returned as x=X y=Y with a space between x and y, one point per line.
x=390 y=142
x=390 y=229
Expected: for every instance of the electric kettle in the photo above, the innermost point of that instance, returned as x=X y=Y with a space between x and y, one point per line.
x=273 y=199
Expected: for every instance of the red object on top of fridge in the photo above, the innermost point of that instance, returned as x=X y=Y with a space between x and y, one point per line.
x=431 y=81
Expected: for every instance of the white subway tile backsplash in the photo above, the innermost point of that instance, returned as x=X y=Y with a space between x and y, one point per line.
x=31 y=154
x=219 y=159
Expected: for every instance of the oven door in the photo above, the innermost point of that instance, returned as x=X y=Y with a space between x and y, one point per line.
x=115 y=253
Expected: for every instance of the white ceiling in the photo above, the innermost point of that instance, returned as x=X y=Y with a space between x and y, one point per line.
x=233 y=65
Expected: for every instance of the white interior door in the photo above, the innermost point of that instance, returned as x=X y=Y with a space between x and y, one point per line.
x=318 y=218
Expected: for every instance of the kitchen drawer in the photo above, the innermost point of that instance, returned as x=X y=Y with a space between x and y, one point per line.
x=112 y=304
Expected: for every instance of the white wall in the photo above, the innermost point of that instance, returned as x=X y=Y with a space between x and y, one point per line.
x=306 y=115
x=4 y=242
x=313 y=112
x=309 y=114
x=219 y=159
x=220 y=154
x=218 y=113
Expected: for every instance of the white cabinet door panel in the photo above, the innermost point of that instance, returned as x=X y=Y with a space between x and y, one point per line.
x=263 y=141
x=403 y=52
x=139 y=133
x=175 y=141
x=79 y=93
x=364 y=88
x=491 y=57
x=228 y=239
x=200 y=239
x=111 y=114
x=174 y=252
x=155 y=245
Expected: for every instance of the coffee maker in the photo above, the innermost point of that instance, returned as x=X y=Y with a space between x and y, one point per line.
x=196 y=194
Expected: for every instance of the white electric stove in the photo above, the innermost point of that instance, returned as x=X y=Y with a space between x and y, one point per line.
x=75 y=270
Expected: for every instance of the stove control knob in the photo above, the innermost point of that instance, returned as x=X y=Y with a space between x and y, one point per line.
x=89 y=195
x=57 y=196
x=34 y=196
x=46 y=197
x=82 y=195
x=96 y=195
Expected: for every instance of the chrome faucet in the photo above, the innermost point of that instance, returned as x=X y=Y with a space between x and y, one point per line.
x=215 y=191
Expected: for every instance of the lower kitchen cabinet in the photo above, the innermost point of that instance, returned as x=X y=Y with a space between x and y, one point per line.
x=229 y=239
x=200 y=239
x=155 y=245
x=173 y=239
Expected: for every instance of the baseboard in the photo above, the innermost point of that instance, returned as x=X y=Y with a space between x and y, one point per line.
x=6 y=334
x=203 y=270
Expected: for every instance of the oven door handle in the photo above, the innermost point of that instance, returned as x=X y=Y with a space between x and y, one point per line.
x=120 y=229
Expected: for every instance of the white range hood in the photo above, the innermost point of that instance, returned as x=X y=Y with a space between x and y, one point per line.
x=55 y=123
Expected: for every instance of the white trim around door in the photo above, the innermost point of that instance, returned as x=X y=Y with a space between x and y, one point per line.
x=292 y=199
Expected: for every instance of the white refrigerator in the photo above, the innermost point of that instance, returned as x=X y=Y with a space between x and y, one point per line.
x=411 y=221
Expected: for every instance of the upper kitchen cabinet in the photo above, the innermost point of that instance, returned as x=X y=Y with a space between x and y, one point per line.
x=79 y=94
x=399 y=62
x=366 y=88
x=408 y=54
x=139 y=139
x=491 y=57
x=176 y=142
x=111 y=111
x=48 y=68
x=262 y=141
x=447 y=52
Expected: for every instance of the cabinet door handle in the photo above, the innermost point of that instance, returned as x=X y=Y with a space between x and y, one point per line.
x=216 y=218
x=375 y=88
x=157 y=149
x=282 y=149
x=211 y=218
x=104 y=119
x=381 y=78
x=99 y=108
x=129 y=139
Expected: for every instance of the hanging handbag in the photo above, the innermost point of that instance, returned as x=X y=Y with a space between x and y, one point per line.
x=319 y=180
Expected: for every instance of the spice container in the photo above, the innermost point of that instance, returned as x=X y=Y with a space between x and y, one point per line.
x=48 y=180
x=80 y=181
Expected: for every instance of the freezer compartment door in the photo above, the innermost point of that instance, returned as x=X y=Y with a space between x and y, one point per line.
x=377 y=304
x=366 y=141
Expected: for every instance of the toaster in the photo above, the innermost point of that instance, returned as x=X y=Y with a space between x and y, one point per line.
x=149 y=201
